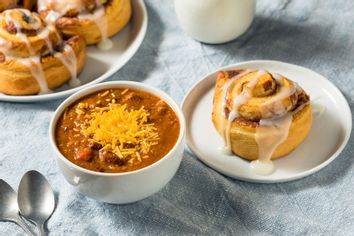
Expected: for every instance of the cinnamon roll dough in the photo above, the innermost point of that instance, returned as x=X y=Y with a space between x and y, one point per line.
x=270 y=97
x=8 y=4
x=94 y=22
x=33 y=57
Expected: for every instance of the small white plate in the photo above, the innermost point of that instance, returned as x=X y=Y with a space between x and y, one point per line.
x=329 y=134
x=101 y=64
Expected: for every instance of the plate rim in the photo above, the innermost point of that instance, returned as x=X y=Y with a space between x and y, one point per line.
x=128 y=54
x=297 y=176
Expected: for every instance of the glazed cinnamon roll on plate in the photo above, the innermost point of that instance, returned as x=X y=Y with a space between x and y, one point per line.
x=33 y=56
x=266 y=121
x=94 y=20
x=260 y=115
x=99 y=64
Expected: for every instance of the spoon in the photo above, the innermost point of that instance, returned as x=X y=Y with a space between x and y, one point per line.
x=36 y=199
x=9 y=208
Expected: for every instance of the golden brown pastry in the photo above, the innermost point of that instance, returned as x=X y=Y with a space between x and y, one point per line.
x=259 y=114
x=33 y=56
x=9 y=4
x=94 y=20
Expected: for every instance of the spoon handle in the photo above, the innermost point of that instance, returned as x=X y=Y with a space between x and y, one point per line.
x=41 y=229
x=18 y=220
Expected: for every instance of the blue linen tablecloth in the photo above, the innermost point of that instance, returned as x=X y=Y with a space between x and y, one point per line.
x=315 y=34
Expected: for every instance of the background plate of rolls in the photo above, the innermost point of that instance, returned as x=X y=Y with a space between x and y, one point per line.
x=314 y=138
x=59 y=47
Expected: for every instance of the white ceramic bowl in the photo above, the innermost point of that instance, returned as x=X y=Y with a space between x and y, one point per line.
x=127 y=187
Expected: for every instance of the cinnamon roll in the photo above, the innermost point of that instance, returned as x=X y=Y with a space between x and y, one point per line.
x=9 y=4
x=260 y=115
x=33 y=57
x=95 y=20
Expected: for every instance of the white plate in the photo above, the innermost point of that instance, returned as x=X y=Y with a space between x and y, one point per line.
x=329 y=134
x=101 y=64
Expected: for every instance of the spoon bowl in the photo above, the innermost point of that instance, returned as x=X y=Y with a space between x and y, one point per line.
x=36 y=199
x=9 y=208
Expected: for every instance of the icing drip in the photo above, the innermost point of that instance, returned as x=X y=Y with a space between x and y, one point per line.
x=5 y=46
x=105 y=45
x=98 y=16
x=61 y=6
x=271 y=132
x=36 y=69
x=101 y=22
x=18 y=27
x=269 y=135
x=262 y=167
x=239 y=100
x=70 y=62
x=100 y=19
x=44 y=34
x=225 y=149
x=274 y=105
x=34 y=61
x=318 y=109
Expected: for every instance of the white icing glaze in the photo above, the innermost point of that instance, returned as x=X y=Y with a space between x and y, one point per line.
x=34 y=61
x=275 y=105
x=239 y=100
x=269 y=135
x=70 y=61
x=225 y=91
x=262 y=167
x=36 y=69
x=100 y=19
x=61 y=7
x=271 y=132
x=318 y=109
x=227 y=87
x=44 y=34
x=225 y=151
x=18 y=27
x=105 y=45
x=5 y=46
x=52 y=17
x=278 y=78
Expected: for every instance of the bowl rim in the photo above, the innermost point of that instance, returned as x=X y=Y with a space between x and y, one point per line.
x=116 y=84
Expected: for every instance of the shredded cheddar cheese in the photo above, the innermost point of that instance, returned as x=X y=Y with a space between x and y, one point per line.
x=125 y=132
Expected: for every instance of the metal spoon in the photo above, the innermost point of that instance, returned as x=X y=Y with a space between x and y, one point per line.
x=36 y=199
x=9 y=208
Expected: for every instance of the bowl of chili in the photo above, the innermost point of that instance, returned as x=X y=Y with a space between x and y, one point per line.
x=118 y=142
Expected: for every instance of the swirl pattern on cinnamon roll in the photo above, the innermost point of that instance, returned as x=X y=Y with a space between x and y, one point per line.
x=260 y=115
x=95 y=20
x=33 y=54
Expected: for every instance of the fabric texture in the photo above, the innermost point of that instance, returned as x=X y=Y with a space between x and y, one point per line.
x=200 y=201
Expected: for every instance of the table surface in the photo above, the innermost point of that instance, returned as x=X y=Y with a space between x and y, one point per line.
x=315 y=34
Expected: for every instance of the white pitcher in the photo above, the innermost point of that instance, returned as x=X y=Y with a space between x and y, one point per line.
x=215 y=21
